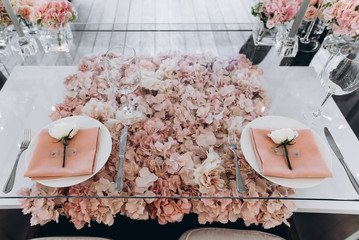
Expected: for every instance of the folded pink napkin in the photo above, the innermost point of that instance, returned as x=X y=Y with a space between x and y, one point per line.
x=309 y=163
x=43 y=166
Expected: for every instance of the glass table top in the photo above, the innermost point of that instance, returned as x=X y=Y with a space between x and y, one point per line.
x=35 y=86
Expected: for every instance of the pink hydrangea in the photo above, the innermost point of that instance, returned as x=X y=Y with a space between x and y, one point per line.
x=179 y=147
x=276 y=12
x=51 y=14
x=343 y=16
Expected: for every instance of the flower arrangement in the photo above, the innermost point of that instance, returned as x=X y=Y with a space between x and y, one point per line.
x=276 y=12
x=314 y=7
x=4 y=17
x=25 y=7
x=51 y=14
x=179 y=148
x=342 y=17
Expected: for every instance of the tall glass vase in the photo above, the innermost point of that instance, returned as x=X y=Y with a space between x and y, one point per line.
x=56 y=40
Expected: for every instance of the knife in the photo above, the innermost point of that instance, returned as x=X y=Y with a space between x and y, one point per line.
x=122 y=150
x=339 y=155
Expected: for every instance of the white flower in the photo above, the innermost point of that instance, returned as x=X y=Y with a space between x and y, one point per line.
x=98 y=110
x=62 y=129
x=281 y=135
x=208 y=174
x=168 y=69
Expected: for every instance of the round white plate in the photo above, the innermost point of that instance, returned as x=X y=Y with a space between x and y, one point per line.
x=274 y=123
x=103 y=150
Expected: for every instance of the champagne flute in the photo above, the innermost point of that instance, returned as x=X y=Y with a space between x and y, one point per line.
x=339 y=77
x=123 y=75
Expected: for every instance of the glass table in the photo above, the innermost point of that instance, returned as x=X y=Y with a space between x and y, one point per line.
x=36 y=84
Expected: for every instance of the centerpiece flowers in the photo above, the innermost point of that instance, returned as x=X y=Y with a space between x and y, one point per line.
x=343 y=20
x=53 y=16
x=4 y=17
x=284 y=137
x=272 y=13
x=342 y=17
x=178 y=150
x=63 y=132
x=314 y=7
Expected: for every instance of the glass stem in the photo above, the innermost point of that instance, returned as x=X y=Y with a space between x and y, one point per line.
x=320 y=109
x=305 y=39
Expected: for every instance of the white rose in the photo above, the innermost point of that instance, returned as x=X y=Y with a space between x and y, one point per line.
x=280 y=135
x=62 y=129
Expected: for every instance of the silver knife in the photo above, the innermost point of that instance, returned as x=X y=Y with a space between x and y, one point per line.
x=122 y=150
x=339 y=155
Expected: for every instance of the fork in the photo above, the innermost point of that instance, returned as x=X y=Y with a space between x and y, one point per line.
x=232 y=144
x=26 y=138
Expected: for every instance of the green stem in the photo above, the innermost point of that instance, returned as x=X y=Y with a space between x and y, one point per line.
x=286 y=155
x=58 y=38
x=63 y=158
x=263 y=34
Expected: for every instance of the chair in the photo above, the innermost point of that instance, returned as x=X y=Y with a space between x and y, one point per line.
x=226 y=234
x=70 y=238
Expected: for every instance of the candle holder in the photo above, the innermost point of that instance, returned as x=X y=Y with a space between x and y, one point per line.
x=24 y=46
x=287 y=46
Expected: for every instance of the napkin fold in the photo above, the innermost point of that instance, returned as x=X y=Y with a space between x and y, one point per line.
x=309 y=163
x=44 y=166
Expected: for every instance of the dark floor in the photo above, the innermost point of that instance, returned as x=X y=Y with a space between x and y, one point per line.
x=149 y=229
x=15 y=226
x=304 y=226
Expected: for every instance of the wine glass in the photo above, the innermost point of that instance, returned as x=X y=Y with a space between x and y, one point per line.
x=123 y=75
x=340 y=76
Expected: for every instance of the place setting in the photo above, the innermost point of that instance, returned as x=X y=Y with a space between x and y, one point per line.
x=55 y=162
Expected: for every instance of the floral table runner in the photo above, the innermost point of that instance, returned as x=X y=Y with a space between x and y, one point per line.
x=177 y=148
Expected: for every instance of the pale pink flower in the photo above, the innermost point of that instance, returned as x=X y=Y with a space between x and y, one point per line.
x=208 y=175
x=343 y=17
x=145 y=179
x=98 y=110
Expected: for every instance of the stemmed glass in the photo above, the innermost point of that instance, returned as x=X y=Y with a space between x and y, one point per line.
x=307 y=44
x=340 y=76
x=123 y=75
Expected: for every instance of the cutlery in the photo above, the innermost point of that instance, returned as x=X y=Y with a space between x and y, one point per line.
x=339 y=155
x=122 y=150
x=26 y=138
x=232 y=144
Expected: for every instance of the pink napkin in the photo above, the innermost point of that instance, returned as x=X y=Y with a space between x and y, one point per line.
x=310 y=163
x=43 y=166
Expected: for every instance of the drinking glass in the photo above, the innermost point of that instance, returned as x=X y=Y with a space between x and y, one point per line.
x=340 y=76
x=123 y=74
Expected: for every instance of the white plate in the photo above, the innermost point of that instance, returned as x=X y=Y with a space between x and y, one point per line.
x=103 y=150
x=273 y=123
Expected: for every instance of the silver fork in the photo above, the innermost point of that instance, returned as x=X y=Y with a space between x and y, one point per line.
x=232 y=144
x=26 y=138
